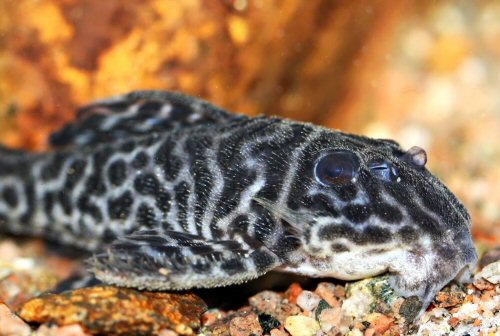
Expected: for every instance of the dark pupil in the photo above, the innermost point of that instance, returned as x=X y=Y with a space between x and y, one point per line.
x=338 y=167
x=335 y=171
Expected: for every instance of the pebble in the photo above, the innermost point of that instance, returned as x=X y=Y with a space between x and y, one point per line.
x=272 y=303
x=329 y=319
x=300 y=325
x=489 y=257
x=321 y=306
x=449 y=299
x=370 y=332
x=410 y=308
x=18 y=286
x=327 y=291
x=284 y=310
x=266 y=301
x=355 y=332
x=211 y=316
x=467 y=311
x=268 y=322
x=278 y=332
x=308 y=300
x=490 y=272
x=360 y=300
x=11 y=325
x=293 y=292
x=483 y=284
x=24 y=274
x=167 y=332
x=105 y=309
x=245 y=326
x=380 y=323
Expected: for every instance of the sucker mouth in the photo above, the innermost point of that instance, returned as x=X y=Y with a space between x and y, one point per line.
x=469 y=256
x=466 y=273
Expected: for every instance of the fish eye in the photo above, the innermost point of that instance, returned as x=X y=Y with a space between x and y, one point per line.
x=338 y=167
x=384 y=170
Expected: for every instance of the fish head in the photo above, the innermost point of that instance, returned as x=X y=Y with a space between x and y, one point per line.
x=365 y=206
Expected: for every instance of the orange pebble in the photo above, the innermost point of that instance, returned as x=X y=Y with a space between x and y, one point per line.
x=370 y=332
x=453 y=321
x=382 y=323
x=293 y=292
x=469 y=298
x=487 y=296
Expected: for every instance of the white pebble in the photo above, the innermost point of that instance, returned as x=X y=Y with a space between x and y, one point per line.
x=300 y=325
x=354 y=332
x=490 y=272
x=308 y=300
x=330 y=318
x=467 y=311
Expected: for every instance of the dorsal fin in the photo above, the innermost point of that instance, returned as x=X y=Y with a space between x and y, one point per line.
x=136 y=113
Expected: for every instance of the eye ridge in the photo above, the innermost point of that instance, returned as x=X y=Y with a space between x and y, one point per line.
x=336 y=168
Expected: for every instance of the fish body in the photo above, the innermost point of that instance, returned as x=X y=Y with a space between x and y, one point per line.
x=170 y=192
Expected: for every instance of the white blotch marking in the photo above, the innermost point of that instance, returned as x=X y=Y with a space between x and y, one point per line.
x=113 y=119
x=215 y=192
x=244 y=203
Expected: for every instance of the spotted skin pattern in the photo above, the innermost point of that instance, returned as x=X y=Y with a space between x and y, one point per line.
x=170 y=192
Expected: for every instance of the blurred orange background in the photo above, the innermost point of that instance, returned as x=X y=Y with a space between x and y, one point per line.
x=423 y=74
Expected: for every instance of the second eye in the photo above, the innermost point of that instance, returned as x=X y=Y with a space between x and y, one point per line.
x=384 y=170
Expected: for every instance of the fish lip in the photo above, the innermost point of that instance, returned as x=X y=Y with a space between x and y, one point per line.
x=466 y=246
x=469 y=261
x=465 y=257
x=425 y=271
x=466 y=274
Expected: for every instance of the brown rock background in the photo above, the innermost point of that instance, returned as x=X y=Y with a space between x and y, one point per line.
x=425 y=74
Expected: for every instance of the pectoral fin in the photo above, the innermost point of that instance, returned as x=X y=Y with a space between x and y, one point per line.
x=168 y=260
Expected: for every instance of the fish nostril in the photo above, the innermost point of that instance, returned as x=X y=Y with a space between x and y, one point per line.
x=416 y=156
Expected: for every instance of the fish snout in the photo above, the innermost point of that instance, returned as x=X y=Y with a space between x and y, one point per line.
x=467 y=256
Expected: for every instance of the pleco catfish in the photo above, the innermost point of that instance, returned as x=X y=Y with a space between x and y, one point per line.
x=172 y=193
